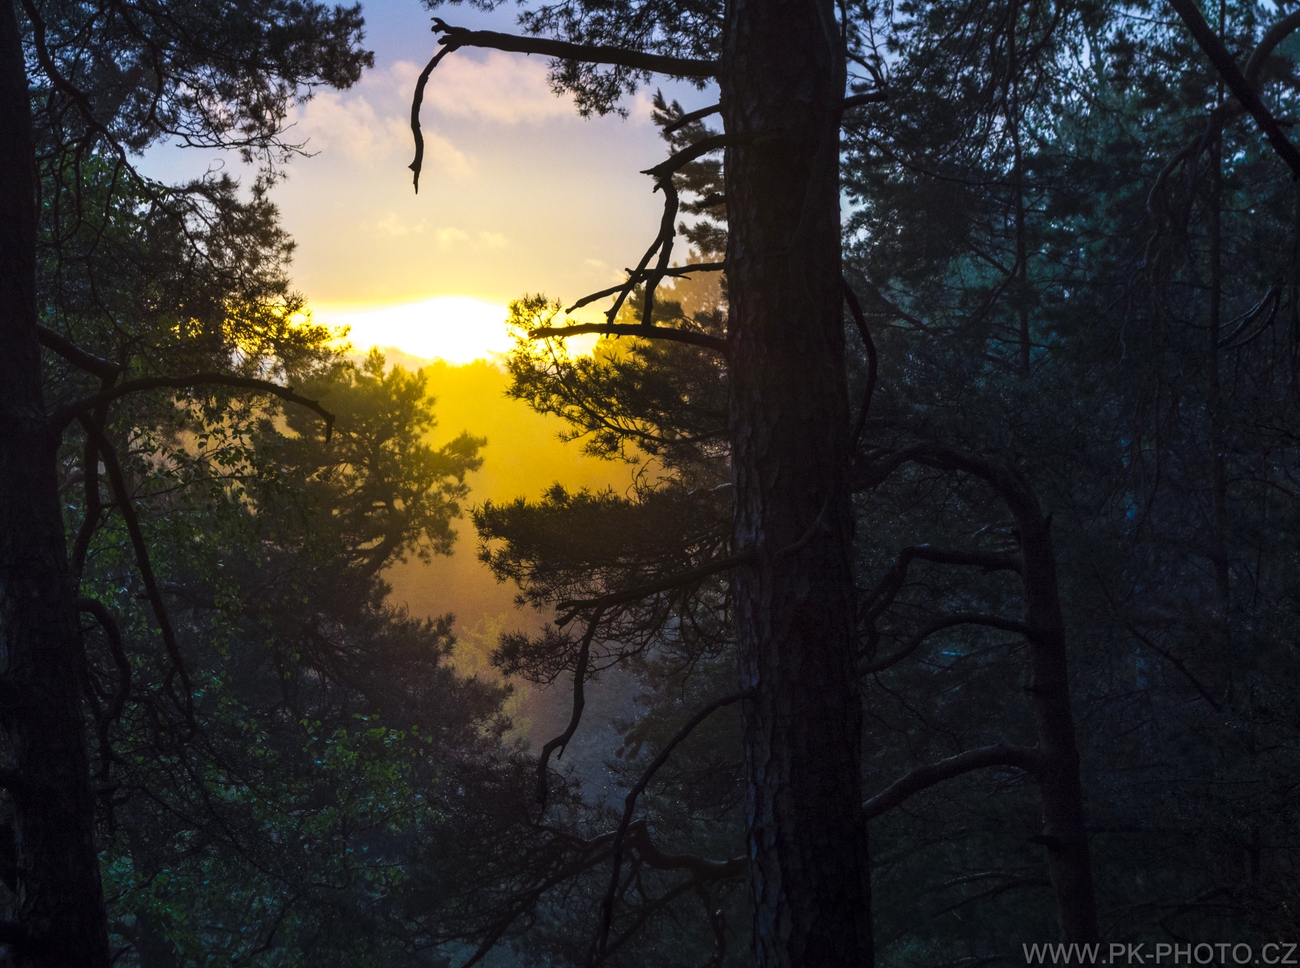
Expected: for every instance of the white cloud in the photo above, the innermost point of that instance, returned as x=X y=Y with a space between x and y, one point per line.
x=392 y=225
x=489 y=85
x=450 y=236
x=347 y=124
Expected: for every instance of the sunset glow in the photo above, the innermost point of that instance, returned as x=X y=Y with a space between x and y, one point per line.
x=457 y=329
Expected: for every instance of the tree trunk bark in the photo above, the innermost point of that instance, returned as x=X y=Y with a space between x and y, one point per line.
x=60 y=908
x=782 y=82
x=1069 y=865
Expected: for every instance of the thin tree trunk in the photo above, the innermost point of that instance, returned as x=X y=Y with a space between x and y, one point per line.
x=782 y=76
x=60 y=902
x=1068 y=862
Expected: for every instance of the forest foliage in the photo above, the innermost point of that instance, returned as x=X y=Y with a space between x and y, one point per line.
x=1073 y=274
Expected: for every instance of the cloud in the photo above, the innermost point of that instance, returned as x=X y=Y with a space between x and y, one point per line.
x=490 y=85
x=450 y=236
x=348 y=124
x=491 y=240
x=392 y=225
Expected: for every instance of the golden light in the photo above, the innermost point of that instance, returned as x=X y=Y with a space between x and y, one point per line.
x=457 y=329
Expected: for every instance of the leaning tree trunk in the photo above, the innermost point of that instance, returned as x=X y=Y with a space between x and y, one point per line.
x=782 y=83
x=60 y=909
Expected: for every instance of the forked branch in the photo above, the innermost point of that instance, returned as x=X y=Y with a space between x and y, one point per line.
x=1242 y=89
x=561 y=742
x=571 y=608
x=629 y=807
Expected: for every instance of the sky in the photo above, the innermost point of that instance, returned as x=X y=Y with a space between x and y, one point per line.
x=519 y=194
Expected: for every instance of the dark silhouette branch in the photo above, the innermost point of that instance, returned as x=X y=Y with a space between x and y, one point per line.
x=1178 y=664
x=947 y=622
x=880 y=597
x=561 y=742
x=635 y=277
x=870 y=97
x=629 y=807
x=571 y=608
x=416 y=100
x=691 y=117
x=704 y=146
x=1020 y=757
x=667 y=232
x=123 y=501
x=78 y=357
x=455 y=37
x=873 y=361
x=113 y=633
x=72 y=411
x=1237 y=83
x=1267 y=44
x=629 y=329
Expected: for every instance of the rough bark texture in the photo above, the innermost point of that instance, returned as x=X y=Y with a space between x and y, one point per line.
x=60 y=904
x=782 y=79
x=1064 y=835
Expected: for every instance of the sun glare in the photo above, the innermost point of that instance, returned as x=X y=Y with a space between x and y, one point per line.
x=457 y=329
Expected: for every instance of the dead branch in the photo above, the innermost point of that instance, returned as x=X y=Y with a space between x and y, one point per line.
x=561 y=742
x=629 y=807
x=416 y=100
x=922 y=778
x=691 y=117
x=634 y=277
x=880 y=597
x=645 y=332
x=667 y=232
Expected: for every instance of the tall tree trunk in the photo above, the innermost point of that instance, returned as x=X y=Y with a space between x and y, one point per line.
x=782 y=82
x=60 y=908
x=1069 y=865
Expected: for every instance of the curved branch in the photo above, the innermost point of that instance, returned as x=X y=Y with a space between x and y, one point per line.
x=113 y=633
x=629 y=807
x=416 y=100
x=73 y=411
x=1267 y=44
x=947 y=622
x=880 y=597
x=704 y=146
x=123 y=499
x=1241 y=88
x=873 y=361
x=625 y=329
x=1021 y=757
x=75 y=355
x=667 y=232
x=579 y=701
x=691 y=117
x=453 y=37
x=573 y=607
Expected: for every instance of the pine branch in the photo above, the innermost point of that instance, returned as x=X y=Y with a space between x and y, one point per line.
x=572 y=607
x=1020 y=757
x=947 y=622
x=635 y=276
x=75 y=355
x=629 y=329
x=1241 y=88
x=561 y=742
x=73 y=411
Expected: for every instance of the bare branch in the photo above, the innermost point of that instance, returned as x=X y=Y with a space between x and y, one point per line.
x=573 y=607
x=579 y=701
x=947 y=622
x=416 y=100
x=629 y=807
x=691 y=117
x=1020 y=757
x=1178 y=664
x=78 y=357
x=113 y=633
x=73 y=411
x=637 y=276
x=703 y=147
x=453 y=37
x=1241 y=88
x=624 y=329
x=870 y=97
x=667 y=232
x=873 y=361
x=879 y=598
